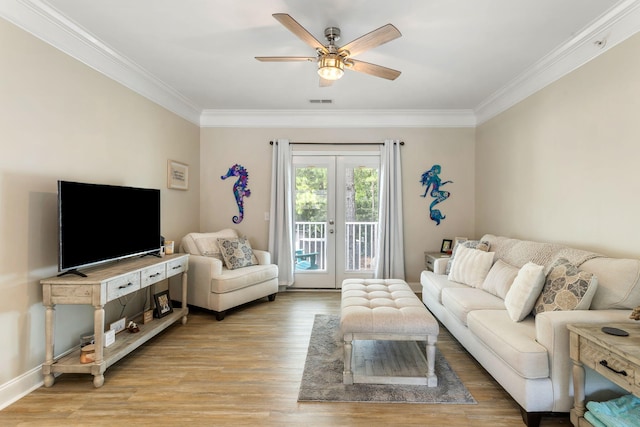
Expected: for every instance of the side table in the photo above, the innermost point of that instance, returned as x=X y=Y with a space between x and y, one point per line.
x=615 y=358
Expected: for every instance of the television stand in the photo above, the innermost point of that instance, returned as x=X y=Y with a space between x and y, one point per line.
x=72 y=271
x=100 y=286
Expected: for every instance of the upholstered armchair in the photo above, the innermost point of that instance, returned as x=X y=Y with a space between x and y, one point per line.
x=219 y=280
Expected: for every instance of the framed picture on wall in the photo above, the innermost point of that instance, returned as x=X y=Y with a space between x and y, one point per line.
x=177 y=175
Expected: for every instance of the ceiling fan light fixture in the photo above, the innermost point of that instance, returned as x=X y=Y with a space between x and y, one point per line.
x=330 y=67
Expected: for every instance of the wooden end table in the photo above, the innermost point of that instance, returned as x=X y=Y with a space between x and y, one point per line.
x=615 y=358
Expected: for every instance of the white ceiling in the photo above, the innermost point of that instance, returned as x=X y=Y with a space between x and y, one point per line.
x=455 y=55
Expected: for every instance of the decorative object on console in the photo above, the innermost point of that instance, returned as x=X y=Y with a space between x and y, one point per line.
x=240 y=190
x=177 y=175
x=133 y=328
x=431 y=180
x=163 y=304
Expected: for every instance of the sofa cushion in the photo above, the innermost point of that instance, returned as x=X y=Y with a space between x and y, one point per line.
x=480 y=245
x=237 y=253
x=461 y=301
x=240 y=278
x=566 y=288
x=513 y=342
x=471 y=266
x=205 y=244
x=524 y=291
x=500 y=278
x=433 y=284
x=618 y=282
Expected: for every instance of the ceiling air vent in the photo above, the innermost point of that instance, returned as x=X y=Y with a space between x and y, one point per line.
x=321 y=101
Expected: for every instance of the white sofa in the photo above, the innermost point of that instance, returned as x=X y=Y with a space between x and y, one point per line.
x=530 y=358
x=211 y=285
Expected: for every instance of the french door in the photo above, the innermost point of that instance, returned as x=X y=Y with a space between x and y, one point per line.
x=335 y=217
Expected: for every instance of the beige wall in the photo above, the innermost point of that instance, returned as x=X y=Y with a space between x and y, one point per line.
x=563 y=165
x=453 y=149
x=60 y=119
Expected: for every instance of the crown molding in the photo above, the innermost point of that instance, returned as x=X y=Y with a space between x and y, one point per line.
x=40 y=19
x=337 y=118
x=612 y=28
x=44 y=22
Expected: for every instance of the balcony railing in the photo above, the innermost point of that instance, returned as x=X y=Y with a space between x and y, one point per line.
x=360 y=245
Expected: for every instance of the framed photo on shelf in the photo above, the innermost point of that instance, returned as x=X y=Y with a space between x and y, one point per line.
x=163 y=304
x=446 y=246
x=177 y=175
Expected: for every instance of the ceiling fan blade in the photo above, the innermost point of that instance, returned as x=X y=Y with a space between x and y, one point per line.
x=286 y=58
x=370 y=40
x=297 y=29
x=325 y=82
x=373 y=69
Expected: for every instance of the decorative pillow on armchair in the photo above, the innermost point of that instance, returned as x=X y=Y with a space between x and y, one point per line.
x=566 y=288
x=237 y=253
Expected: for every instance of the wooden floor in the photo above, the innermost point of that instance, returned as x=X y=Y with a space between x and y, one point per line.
x=246 y=370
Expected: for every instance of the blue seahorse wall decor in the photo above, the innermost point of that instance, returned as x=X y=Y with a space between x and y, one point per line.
x=240 y=190
x=431 y=179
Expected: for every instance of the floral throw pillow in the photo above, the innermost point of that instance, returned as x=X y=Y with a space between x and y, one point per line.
x=237 y=253
x=566 y=288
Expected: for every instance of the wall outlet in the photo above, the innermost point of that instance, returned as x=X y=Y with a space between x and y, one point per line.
x=118 y=325
x=267 y=216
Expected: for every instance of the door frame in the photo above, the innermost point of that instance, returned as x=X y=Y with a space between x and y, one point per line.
x=332 y=276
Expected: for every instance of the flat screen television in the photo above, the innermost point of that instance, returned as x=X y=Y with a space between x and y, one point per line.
x=100 y=223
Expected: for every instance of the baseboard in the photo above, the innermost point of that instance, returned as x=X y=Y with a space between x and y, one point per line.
x=17 y=388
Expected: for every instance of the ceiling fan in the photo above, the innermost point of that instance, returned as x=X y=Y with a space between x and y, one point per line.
x=332 y=59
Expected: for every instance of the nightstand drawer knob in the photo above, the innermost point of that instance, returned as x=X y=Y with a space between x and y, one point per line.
x=606 y=365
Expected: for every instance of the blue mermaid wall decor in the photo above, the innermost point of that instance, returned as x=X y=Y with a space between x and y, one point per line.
x=431 y=180
x=240 y=190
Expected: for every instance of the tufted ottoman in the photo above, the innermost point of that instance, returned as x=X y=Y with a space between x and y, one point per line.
x=386 y=309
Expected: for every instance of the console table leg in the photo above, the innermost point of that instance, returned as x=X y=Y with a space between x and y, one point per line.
x=184 y=296
x=49 y=318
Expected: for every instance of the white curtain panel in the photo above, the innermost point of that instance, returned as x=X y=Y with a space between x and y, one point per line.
x=390 y=253
x=281 y=212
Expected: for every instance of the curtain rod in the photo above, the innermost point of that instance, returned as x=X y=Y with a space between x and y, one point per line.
x=336 y=143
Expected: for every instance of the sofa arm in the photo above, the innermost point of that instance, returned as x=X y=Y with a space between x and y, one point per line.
x=264 y=257
x=440 y=265
x=552 y=333
x=204 y=266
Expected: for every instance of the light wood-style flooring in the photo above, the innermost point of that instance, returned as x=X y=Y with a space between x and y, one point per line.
x=246 y=371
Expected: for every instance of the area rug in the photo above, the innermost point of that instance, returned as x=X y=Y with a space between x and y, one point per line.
x=322 y=376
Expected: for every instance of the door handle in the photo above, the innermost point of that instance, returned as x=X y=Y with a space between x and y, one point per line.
x=331 y=231
x=330 y=222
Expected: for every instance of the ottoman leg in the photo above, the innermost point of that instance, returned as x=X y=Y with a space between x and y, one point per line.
x=432 y=379
x=347 y=374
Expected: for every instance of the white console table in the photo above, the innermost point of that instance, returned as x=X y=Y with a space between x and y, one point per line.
x=102 y=285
